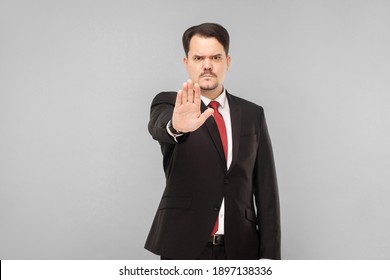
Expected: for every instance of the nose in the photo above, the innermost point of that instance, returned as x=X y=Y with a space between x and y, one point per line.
x=207 y=65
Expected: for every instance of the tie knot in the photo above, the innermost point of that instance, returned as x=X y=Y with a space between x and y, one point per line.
x=214 y=105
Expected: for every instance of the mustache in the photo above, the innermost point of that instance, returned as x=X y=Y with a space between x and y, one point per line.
x=207 y=74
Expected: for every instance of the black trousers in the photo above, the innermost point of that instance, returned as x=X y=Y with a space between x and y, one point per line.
x=210 y=252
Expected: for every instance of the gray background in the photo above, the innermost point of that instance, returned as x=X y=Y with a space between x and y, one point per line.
x=80 y=177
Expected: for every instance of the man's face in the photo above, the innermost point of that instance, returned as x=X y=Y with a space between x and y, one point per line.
x=207 y=64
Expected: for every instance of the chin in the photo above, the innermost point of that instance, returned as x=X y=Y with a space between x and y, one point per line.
x=207 y=86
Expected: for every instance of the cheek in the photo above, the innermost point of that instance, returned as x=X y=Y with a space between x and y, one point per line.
x=221 y=71
x=192 y=70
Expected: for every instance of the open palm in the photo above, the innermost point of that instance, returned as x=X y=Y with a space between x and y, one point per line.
x=187 y=115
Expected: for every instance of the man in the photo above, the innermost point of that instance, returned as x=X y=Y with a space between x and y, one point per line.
x=221 y=198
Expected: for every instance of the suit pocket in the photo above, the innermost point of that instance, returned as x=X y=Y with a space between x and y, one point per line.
x=175 y=202
x=250 y=215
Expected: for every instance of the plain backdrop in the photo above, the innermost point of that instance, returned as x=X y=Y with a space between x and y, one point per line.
x=80 y=176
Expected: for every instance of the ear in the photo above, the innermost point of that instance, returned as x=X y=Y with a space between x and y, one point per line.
x=185 y=62
x=228 y=61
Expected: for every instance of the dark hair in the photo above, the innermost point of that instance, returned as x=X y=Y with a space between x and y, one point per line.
x=207 y=30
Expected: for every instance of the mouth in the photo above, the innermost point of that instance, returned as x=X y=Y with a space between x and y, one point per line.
x=208 y=76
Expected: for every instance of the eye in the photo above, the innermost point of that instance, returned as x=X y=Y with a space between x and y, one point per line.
x=197 y=58
x=217 y=58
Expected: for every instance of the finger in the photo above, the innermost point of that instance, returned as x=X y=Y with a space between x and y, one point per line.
x=190 y=91
x=178 y=98
x=184 y=97
x=205 y=115
x=197 y=94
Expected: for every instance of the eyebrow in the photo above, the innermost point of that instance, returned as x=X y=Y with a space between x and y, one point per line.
x=214 y=55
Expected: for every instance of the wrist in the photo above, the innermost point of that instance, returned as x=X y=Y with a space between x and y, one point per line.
x=172 y=129
x=173 y=132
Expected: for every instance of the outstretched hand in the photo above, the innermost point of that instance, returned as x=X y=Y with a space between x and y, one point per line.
x=187 y=116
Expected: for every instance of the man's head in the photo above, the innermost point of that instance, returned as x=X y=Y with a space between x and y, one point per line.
x=206 y=47
x=207 y=30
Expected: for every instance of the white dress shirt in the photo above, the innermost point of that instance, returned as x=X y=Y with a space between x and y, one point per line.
x=224 y=109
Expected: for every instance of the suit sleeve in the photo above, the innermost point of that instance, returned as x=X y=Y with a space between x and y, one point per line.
x=267 y=197
x=160 y=114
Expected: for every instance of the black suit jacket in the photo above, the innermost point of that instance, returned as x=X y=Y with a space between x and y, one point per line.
x=197 y=180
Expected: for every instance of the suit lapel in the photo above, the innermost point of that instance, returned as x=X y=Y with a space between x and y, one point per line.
x=213 y=131
x=235 y=118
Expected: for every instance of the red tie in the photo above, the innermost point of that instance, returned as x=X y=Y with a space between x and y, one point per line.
x=221 y=126
x=222 y=133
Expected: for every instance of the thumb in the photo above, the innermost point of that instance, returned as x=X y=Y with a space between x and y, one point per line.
x=206 y=114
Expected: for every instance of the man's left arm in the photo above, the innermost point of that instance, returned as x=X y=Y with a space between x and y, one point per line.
x=267 y=196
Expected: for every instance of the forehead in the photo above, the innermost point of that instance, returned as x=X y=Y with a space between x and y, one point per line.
x=205 y=46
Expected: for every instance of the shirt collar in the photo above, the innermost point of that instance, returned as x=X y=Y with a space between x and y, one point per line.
x=221 y=99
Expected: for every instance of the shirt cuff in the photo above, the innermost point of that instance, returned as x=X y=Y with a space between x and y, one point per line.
x=174 y=135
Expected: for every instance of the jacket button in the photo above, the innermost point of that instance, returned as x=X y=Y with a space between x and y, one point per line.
x=226 y=181
x=216 y=208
